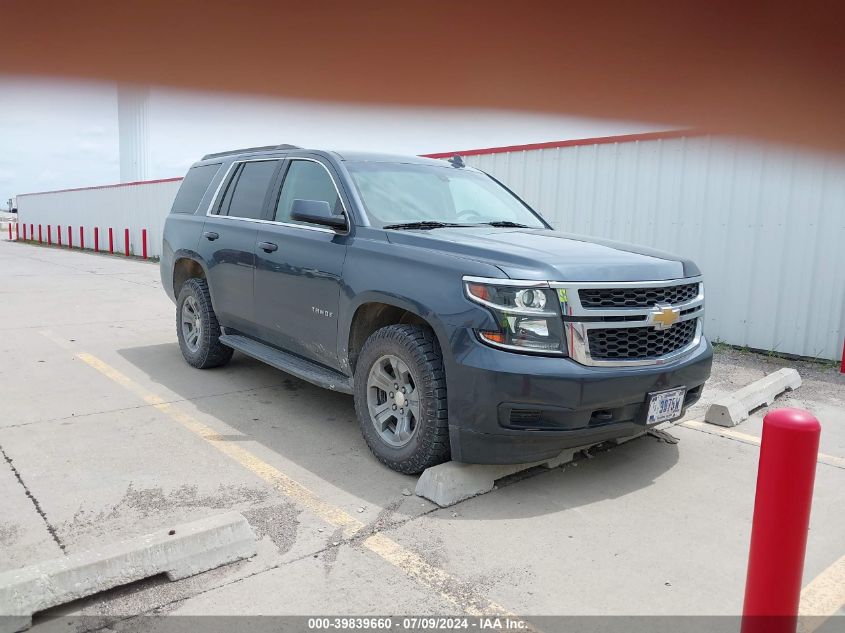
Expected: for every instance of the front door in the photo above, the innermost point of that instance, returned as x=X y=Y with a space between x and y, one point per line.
x=228 y=242
x=299 y=266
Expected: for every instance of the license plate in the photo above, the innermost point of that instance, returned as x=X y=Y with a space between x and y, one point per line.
x=665 y=405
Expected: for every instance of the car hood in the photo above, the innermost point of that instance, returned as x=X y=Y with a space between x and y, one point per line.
x=542 y=254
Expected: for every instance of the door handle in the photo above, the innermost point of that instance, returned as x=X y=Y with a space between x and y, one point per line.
x=267 y=247
x=210 y=235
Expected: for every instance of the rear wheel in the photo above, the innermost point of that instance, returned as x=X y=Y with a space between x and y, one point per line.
x=197 y=328
x=400 y=398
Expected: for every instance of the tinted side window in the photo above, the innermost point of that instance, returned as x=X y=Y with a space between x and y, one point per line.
x=244 y=196
x=193 y=188
x=306 y=180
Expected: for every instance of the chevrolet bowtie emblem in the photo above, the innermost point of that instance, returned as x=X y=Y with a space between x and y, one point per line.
x=664 y=317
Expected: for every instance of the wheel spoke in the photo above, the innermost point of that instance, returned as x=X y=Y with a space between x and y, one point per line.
x=400 y=370
x=382 y=415
x=381 y=379
x=403 y=427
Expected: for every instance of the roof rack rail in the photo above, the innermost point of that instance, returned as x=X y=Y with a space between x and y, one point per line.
x=263 y=148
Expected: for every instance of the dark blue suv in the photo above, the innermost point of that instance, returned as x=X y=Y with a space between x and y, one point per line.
x=464 y=325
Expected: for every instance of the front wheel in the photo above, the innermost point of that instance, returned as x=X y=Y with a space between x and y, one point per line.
x=400 y=398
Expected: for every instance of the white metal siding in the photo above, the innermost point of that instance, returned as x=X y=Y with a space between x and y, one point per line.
x=134 y=207
x=766 y=225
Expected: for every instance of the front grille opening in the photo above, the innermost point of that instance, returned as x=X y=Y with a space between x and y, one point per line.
x=524 y=417
x=637 y=343
x=602 y=416
x=637 y=297
x=623 y=317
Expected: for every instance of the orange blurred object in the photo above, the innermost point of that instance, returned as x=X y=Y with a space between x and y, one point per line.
x=771 y=70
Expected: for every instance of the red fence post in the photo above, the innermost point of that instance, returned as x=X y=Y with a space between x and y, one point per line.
x=842 y=366
x=96 y=239
x=785 y=475
x=49 y=234
x=144 y=242
x=40 y=241
x=126 y=240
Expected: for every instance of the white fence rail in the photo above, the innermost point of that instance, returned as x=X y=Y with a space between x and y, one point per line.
x=136 y=207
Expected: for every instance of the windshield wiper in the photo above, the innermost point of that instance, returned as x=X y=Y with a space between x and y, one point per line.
x=428 y=224
x=507 y=224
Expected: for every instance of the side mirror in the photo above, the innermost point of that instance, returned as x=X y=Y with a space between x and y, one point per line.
x=317 y=212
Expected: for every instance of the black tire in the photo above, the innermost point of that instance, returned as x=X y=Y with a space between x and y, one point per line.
x=417 y=348
x=207 y=350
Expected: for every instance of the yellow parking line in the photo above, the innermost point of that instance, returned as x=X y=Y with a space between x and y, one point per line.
x=824 y=458
x=823 y=597
x=389 y=550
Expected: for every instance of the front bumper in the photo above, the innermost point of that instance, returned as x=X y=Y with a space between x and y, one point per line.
x=511 y=408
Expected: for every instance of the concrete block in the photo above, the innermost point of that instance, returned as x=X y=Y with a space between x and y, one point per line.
x=447 y=484
x=622 y=440
x=733 y=409
x=180 y=551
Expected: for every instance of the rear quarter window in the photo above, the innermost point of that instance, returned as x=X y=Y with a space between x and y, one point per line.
x=194 y=187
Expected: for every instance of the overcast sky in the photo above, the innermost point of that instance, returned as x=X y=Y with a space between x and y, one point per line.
x=56 y=135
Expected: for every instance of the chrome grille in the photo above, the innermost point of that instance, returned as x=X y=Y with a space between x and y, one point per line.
x=639 y=342
x=637 y=297
x=626 y=324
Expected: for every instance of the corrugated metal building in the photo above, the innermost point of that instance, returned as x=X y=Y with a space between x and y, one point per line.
x=765 y=224
x=136 y=206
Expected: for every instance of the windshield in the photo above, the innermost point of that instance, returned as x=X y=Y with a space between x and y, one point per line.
x=398 y=193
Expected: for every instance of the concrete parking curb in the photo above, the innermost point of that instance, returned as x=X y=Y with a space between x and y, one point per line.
x=180 y=551
x=733 y=409
x=447 y=484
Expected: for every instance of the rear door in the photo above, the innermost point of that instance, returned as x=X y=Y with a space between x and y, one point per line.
x=228 y=241
x=299 y=265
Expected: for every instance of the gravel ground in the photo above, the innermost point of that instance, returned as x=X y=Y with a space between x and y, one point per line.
x=733 y=368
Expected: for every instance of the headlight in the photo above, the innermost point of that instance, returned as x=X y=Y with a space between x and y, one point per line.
x=529 y=318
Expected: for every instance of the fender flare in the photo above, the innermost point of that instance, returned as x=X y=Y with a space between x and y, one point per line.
x=414 y=307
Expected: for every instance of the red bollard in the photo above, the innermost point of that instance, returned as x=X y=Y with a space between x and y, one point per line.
x=785 y=476
x=24 y=232
x=69 y=238
x=10 y=231
x=111 y=240
x=126 y=240
x=31 y=233
x=17 y=231
x=144 y=242
x=49 y=234
x=81 y=238
x=96 y=239
x=40 y=241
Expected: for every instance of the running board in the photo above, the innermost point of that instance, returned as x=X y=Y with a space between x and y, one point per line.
x=299 y=367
